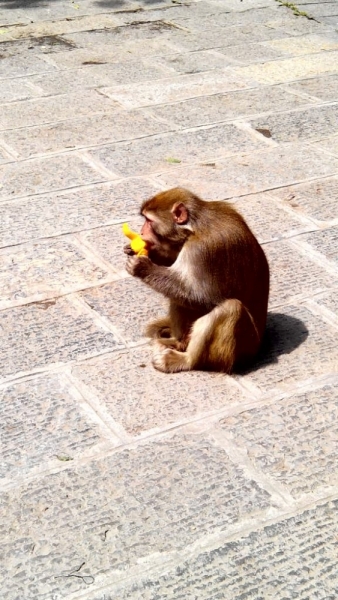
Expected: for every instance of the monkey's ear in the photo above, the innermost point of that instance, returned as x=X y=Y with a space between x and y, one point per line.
x=180 y=213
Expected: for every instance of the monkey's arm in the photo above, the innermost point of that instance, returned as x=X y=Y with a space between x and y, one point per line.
x=161 y=279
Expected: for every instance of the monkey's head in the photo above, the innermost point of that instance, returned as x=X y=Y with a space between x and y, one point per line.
x=168 y=224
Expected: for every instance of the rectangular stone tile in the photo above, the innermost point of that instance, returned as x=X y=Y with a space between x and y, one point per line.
x=325 y=242
x=137 y=30
x=34 y=272
x=17 y=89
x=75 y=133
x=55 y=108
x=330 y=144
x=17 y=66
x=63 y=26
x=315 y=199
x=41 y=420
x=112 y=513
x=306 y=44
x=223 y=18
x=307 y=123
x=161 y=152
x=299 y=26
x=297 y=346
x=291 y=69
x=64 y=82
x=173 y=89
x=273 y=562
x=45 y=174
x=325 y=88
x=111 y=53
x=267 y=219
x=330 y=302
x=222 y=107
x=324 y=9
x=193 y=62
x=120 y=302
x=74 y=210
x=294 y=274
x=41 y=334
x=140 y=398
x=293 y=441
x=248 y=173
x=251 y=53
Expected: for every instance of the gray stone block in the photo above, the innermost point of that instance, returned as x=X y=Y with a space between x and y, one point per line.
x=297 y=347
x=305 y=44
x=294 y=441
x=88 y=131
x=128 y=303
x=330 y=302
x=193 y=62
x=291 y=69
x=330 y=144
x=160 y=152
x=294 y=274
x=307 y=123
x=273 y=562
x=268 y=220
x=46 y=174
x=251 y=53
x=52 y=214
x=140 y=398
x=325 y=87
x=139 y=503
x=315 y=199
x=222 y=107
x=252 y=172
x=43 y=424
x=176 y=88
x=17 y=89
x=18 y=66
x=34 y=272
x=45 y=333
x=57 y=108
x=325 y=242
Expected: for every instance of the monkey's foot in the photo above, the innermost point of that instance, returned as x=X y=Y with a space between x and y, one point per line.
x=169 y=360
x=159 y=329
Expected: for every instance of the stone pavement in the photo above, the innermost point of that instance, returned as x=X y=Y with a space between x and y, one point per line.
x=118 y=481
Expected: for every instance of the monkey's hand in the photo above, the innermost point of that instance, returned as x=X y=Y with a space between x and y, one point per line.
x=128 y=250
x=139 y=266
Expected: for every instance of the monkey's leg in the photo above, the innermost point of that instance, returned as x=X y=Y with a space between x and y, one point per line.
x=218 y=340
x=161 y=328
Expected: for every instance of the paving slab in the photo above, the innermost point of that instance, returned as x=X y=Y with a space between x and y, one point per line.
x=324 y=242
x=325 y=88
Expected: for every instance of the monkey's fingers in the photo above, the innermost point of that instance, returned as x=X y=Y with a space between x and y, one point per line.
x=128 y=250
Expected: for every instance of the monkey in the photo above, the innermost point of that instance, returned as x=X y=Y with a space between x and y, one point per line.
x=204 y=258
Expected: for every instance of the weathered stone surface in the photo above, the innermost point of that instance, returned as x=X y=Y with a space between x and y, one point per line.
x=128 y=303
x=293 y=441
x=316 y=199
x=33 y=272
x=325 y=242
x=109 y=241
x=140 y=502
x=59 y=108
x=39 y=334
x=221 y=107
x=306 y=44
x=291 y=69
x=52 y=214
x=175 y=88
x=118 y=125
x=294 y=274
x=310 y=123
x=46 y=174
x=325 y=87
x=148 y=405
x=14 y=66
x=267 y=219
x=330 y=144
x=273 y=560
x=41 y=420
x=251 y=53
x=17 y=89
x=194 y=62
x=160 y=152
x=297 y=346
x=248 y=173
x=329 y=301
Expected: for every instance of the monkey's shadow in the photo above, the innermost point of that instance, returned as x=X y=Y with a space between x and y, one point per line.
x=282 y=336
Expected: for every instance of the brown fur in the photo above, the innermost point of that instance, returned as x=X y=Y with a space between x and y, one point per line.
x=205 y=259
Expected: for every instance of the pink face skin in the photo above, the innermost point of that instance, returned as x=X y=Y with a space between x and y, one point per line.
x=147 y=233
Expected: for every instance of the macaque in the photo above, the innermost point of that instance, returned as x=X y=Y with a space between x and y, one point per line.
x=203 y=257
